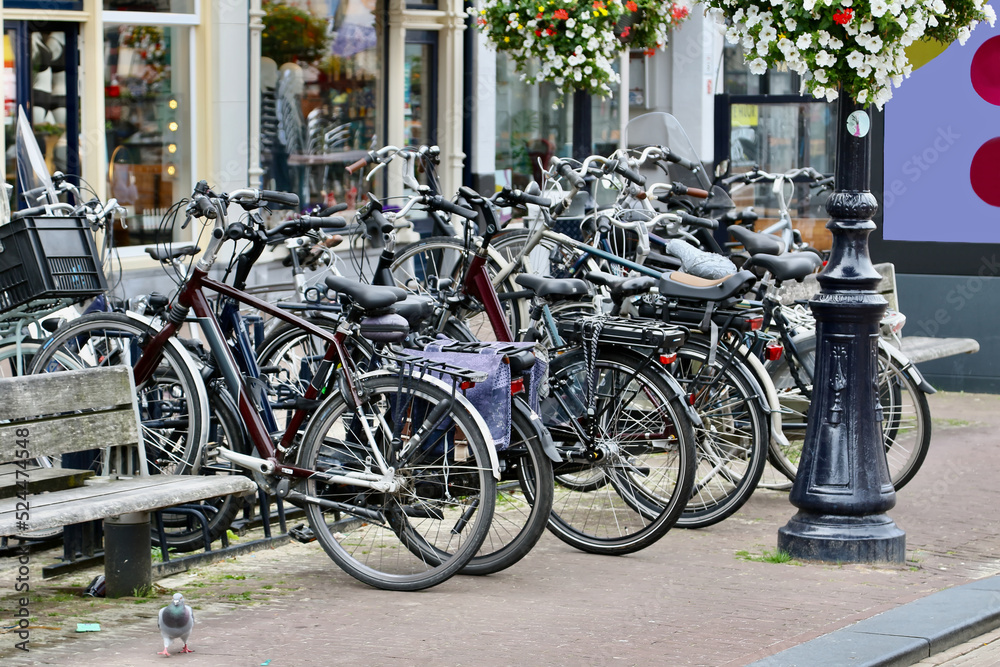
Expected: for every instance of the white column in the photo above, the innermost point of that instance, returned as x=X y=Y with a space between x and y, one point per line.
x=256 y=25
x=696 y=49
x=226 y=128
x=484 y=101
x=93 y=148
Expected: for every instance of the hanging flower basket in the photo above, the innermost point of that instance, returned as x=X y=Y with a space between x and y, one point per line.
x=646 y=24
x=857 y=46
x=575 y=42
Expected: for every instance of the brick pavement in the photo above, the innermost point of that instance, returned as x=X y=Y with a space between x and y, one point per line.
x=688 y=600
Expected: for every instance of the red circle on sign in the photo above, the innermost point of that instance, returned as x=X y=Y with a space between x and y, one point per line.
x=985 y=71
x=985 y=172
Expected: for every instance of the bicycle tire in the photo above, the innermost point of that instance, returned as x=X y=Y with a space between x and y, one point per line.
x=173 y=404
x=732 y=439
x=386 y=547
x=633 y=404
x=524 y=496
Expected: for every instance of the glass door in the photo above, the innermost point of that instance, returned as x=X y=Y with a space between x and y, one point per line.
x=41 y=75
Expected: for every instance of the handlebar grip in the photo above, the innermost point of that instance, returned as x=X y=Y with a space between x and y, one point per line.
x=354 y=166
x=323 y=222
x=567 y=171
x=330 y=210
x=27 y=212
x=205 y=208
x=544 y=202
x=236 y=230
x=283 y=198
x=697 y=192
x=450 y=207
x=34 y=191
x=624 y=171
x=695 y=221
x=677 y=159
x=733 y=179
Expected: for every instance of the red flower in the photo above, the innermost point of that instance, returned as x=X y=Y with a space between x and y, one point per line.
x=598 y=4
x=632 y=7
x=679 y=13
x=650 y=52
x=844 y=17
x=539 y=15
x=626 y=31
x=550 y=32
x=561 y=14
x=481 y=21
x=538 y=33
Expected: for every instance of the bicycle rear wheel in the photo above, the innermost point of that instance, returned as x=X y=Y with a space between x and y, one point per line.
x=732 y=439
x=638 y=487
x=524 y=496
x=426 y=529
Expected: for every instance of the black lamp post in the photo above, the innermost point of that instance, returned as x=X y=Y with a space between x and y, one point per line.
x=842 y=488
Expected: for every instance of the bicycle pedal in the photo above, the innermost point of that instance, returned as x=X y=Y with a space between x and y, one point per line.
x=302 y=533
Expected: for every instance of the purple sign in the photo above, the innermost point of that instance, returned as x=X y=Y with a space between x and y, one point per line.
x=942 y=147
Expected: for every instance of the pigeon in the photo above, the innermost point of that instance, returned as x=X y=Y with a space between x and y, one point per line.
x=175 y=621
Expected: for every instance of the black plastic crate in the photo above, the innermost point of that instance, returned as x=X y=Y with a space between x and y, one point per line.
x=48 y=257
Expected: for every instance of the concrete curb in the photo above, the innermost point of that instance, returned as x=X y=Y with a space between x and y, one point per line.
x=905 y=635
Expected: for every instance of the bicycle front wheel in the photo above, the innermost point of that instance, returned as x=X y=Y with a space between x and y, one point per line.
x=433 y=519
x=448 y=258
x=636 y=489
x=173 y=403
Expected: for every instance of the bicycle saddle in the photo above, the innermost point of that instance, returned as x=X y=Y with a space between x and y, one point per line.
x=369 y=297
x=757 y=244
x=622 y=286
x=790 y=266
x=682 y=285
x=167 y=253
x=415 y=308
x=553 y=287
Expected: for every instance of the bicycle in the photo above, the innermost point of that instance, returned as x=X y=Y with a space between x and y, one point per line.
x=397 y=457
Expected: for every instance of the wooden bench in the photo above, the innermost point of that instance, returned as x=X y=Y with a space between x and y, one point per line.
x=92 y=409
x=917 y=349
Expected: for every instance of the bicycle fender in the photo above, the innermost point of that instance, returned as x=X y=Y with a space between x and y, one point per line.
x=465 y=403
x=907 y=366
x=689 y=410
x=543 y=434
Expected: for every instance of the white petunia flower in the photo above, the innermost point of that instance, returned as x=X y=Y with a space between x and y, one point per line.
x=804 y=41
x=758 y=66
x=879 y=8
x=855 y=59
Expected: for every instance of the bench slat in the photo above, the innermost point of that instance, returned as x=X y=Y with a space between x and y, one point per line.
x=63 y=508
x=921 y=348
x=71 y=433
x=40 y=480
x=26 y=397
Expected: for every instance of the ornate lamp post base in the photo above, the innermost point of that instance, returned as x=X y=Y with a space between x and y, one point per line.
x=866 y=539
x=842 y=488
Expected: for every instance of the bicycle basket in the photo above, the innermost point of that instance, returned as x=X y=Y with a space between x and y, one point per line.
x=48 y=257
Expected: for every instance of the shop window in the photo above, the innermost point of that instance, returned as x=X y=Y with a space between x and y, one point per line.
x=319 y=84
x=156 y=6
x=40 y=76
x=148 y=125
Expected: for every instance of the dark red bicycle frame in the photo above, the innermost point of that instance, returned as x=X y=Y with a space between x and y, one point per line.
x=191 y=296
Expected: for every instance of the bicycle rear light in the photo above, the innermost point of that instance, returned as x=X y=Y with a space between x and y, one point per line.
x=756 y=322
x=667 y=359
x=517 y=386
x=773 y=351
x=466 y=385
